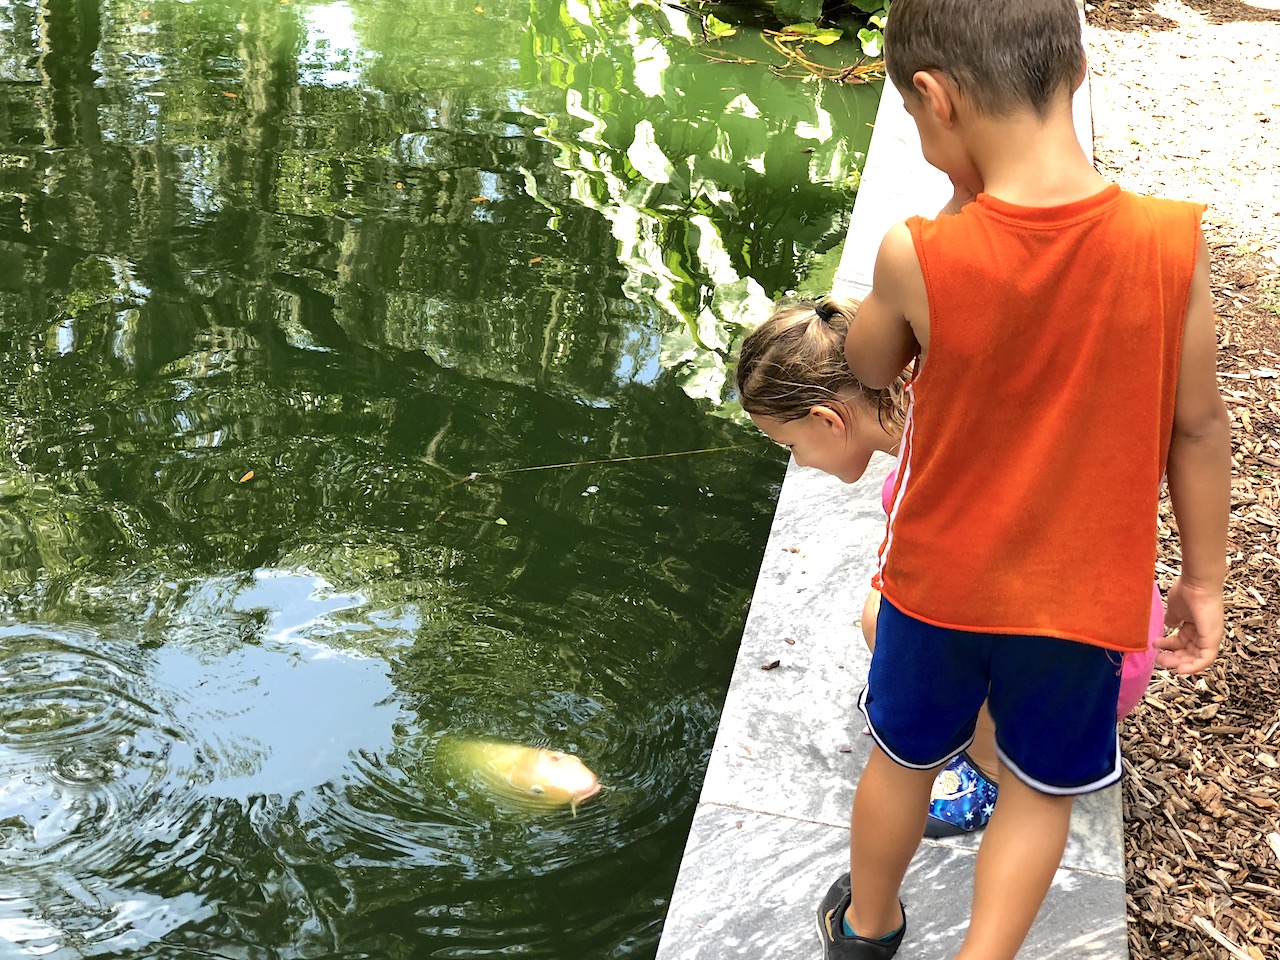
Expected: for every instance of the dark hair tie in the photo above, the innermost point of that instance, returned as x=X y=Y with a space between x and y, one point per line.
x=824 y=310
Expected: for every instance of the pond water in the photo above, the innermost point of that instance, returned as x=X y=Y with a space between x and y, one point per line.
x=296 y=301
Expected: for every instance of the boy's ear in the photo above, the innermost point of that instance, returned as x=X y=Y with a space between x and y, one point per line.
x=829 y=417
x=939 y=94
x=1084 y=67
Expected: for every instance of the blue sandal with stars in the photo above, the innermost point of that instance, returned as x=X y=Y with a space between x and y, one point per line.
x=961 y=801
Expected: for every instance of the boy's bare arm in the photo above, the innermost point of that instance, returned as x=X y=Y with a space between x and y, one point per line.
x=1199 y=487
x=887 y=334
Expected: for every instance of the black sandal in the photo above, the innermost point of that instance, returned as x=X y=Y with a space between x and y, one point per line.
x=836 y=944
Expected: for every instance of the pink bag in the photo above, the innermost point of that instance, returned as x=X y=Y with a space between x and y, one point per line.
x=1135 y=672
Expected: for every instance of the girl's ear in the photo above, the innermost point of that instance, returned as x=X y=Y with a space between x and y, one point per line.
x=829 y=417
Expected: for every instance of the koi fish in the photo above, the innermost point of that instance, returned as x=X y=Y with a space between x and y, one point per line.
x=534 y=776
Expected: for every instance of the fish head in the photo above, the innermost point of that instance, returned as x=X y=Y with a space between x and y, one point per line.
x=562 y=777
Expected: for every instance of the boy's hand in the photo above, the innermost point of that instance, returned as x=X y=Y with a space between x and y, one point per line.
x=1197 y=613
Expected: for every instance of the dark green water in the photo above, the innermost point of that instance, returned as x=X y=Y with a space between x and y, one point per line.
x=365 y=250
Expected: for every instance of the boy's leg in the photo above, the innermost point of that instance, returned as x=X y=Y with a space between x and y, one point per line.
x=1016 y=862
x=923 y=692
x=1054 y=707
x=889 y=809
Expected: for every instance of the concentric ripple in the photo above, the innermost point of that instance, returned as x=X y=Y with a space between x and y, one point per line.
x=71 y=747
x=259 y=780
x=128 y=771
x=82 y=757
x=59 y=689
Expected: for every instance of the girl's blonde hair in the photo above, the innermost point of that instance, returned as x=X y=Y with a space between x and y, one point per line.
x=794 y=361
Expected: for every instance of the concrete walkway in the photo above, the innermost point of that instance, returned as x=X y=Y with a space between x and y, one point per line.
x=771 y=830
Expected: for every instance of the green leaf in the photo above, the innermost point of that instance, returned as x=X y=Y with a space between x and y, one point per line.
x=799 y=30
x=872 y=41
x=798 y=11
x=500 y=522
x=717 y=29
x=811 y=31
x=871 y=6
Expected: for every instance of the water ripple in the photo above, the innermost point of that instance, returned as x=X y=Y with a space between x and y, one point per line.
x=244 y=762
x=127 y=772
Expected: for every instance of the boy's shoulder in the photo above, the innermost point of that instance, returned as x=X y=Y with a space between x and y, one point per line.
x=1133 y=210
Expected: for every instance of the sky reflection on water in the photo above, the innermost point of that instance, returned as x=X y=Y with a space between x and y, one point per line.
x=364 y=251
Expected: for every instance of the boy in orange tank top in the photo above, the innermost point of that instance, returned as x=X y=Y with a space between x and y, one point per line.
x=1064 y=345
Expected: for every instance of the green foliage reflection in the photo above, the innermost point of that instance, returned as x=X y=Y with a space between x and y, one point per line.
x=363 y=250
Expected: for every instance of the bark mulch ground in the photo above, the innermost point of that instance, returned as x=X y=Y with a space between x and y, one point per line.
x=1191 y=109
x=1202 y=754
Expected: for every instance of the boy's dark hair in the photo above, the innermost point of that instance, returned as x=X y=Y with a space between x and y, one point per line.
x=1003 y=55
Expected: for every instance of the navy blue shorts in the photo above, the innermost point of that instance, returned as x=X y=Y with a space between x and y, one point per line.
x=1053 y=701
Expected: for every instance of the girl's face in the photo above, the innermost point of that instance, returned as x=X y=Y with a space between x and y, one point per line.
x=830 y=440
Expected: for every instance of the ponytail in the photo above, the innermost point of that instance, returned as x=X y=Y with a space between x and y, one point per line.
x=795 y=361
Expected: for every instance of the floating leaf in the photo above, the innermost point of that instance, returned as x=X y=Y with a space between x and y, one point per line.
x=479 y=9
x=500 y=522
x=797 y=31
x=809 y=31
x=247 y=477
x=872 y=41
x=717 y=29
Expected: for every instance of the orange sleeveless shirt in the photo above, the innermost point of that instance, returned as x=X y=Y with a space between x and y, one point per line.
x=1039 y=422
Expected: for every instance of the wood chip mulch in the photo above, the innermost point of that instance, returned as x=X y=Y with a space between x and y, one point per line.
x=1141 y=14
x=1202 y=754
x=1188 y=105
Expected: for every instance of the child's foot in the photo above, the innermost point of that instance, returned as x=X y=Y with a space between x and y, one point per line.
x=839 y=945
x=961 y=802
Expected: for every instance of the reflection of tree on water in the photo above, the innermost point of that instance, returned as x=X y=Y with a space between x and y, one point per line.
x=701 y=183
x=294 y=151
x=362 y=266
x=261 y=242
